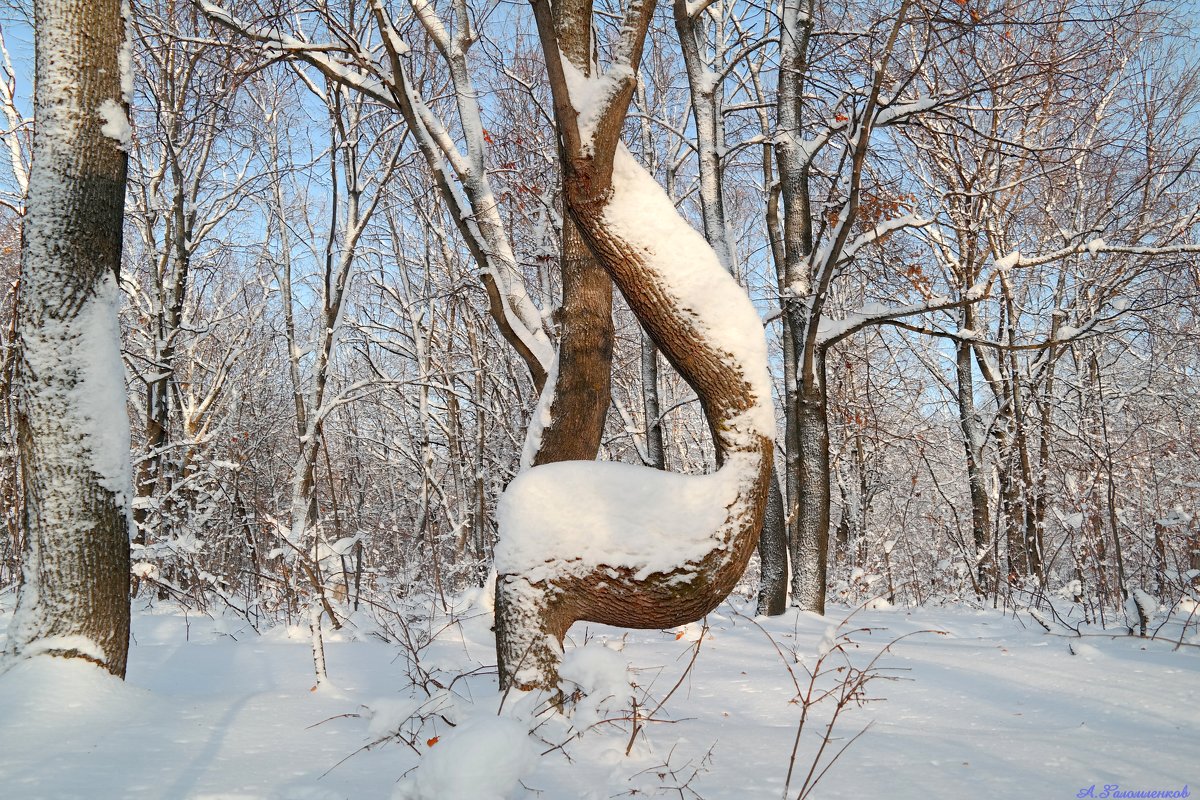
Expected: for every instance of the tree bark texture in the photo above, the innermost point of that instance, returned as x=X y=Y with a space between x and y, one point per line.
x=73 y=430
x=810 y=537
x=581 y=392
x=773 y=555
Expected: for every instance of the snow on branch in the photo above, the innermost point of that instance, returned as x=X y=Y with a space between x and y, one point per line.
x=879 y=231
x=1094 y=247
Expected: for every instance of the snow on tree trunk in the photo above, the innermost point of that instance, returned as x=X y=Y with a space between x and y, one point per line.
x=73 y=431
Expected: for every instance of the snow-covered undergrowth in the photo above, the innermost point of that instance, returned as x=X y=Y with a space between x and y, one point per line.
x=967 y=701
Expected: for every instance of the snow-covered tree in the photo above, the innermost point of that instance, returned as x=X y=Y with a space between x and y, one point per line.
x=609 y=543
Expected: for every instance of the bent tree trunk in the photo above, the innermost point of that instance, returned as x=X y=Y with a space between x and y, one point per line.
x=611 y=543
x=73 y=431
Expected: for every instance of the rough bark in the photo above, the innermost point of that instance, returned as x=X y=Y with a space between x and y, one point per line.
x=582 y=382
x=772 y=555
x=804 y=407
x=74 y=599
x=810 y=538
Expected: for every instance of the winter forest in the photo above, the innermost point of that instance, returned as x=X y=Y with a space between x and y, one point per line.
x=469 y=399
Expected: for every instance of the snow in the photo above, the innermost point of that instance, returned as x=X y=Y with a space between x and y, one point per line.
x=601 y=674
x=116 y=123
x=483 y=759
x=1067 y=332
x=542 y=416
x=91 y=343
x=125 y=55
x=64 y=644
x=979 y=699
x=572 y=516
x=101 y=391
x=1009 y=261
x=590 y=95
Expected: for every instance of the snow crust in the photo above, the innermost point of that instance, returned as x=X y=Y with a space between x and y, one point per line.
x=572 y=516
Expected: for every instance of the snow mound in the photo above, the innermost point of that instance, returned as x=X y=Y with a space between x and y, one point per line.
x=483 y=759
x=602 y=675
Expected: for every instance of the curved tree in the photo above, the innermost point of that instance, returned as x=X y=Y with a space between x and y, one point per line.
x=612 y=543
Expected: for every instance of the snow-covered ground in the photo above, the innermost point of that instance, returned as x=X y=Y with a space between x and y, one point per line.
x=968 y=703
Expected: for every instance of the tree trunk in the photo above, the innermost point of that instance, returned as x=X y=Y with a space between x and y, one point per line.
x=772 y=555
x=656 y=451
x=973 y=445
x=580 y=393
x=73 y=431
x=810 y=539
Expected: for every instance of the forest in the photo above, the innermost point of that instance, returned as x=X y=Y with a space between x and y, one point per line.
x=335 y=322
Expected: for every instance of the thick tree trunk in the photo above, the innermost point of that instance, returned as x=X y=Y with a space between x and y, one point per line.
x=568 y=423
x=73 y=428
